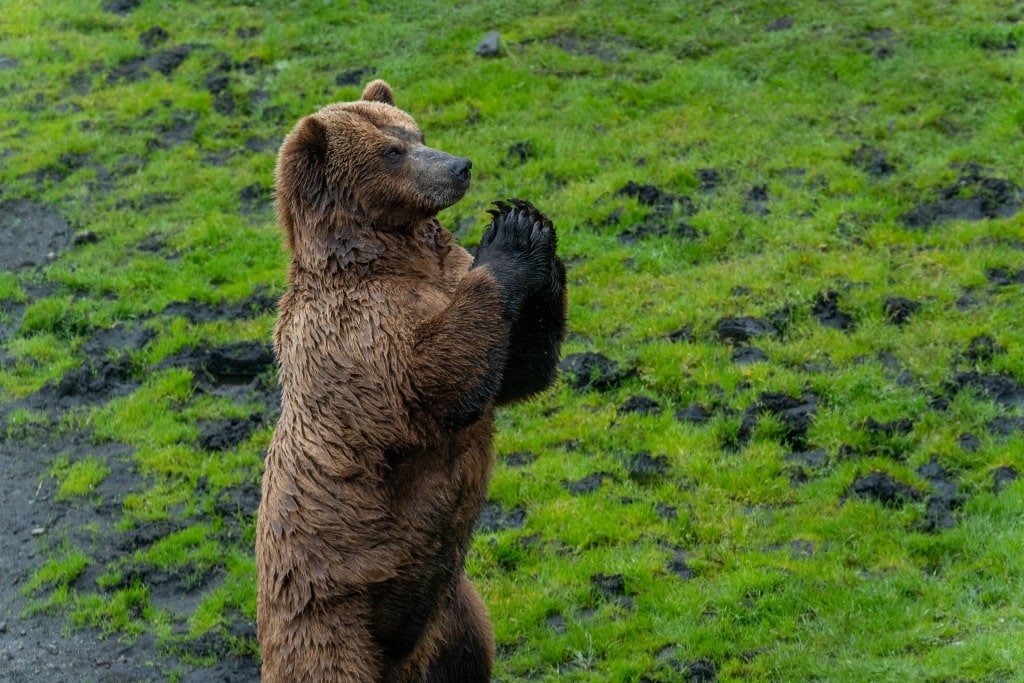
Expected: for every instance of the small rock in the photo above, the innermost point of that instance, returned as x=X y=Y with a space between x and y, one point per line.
x=489 y=46
x=38 y=531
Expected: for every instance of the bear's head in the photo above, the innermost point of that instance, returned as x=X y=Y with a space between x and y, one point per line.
x=362 y=165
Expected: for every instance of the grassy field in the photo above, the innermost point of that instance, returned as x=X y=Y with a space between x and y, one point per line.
x=786 y=442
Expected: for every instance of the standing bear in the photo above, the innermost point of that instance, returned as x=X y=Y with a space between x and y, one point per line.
x=395 y=345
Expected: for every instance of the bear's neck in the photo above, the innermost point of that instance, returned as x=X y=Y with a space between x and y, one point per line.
x=358 y=251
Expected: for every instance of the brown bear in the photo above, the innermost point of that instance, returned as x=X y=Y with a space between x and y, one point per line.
x=394 y=346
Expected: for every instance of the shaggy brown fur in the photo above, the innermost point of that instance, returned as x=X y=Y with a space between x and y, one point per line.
x=394 y=346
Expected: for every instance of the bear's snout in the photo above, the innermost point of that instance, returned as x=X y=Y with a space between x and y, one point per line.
x=460 y=167
x=440 y=178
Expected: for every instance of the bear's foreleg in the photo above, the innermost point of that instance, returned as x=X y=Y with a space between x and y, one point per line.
x=460 y=355
x=535 y=342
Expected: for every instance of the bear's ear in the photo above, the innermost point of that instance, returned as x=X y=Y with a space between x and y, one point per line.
x=310 y=137
x=379 y=91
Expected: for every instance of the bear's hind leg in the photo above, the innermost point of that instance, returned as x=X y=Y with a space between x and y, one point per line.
x=466 y=653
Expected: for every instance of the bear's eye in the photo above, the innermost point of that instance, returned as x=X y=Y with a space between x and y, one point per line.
x=394 y=153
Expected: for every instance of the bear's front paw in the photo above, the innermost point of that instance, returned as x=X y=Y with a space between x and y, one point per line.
x=519 y=248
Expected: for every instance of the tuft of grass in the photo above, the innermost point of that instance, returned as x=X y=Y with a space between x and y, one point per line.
x=78 y=478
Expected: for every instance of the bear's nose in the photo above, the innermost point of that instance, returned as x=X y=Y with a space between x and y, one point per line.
x=460 y=168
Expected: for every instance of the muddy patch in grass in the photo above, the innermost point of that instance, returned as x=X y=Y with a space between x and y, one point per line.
x=974 y=196
x=39 y=230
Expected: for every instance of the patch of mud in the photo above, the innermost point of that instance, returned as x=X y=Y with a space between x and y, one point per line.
x=646 y=469
x=672 y=668
x=1006 y=426
x=871 y=160
x=121 y=7
x=140 y=68
x=587 y=484
x=781 y=24
x=803 y=466
x=611 y=588
x=757 y=201
x=892 y=439
x=679 y=565
x=666 y=217
x=518 y=153
x=153 y=37
x=748 y=355
x=899 y=310
x=1003 y=476
x=1004 y=277
x=695 y=413
x=881 y=487
x=880 y=43
x=794 y=414
x=519 y=458
x=255 y=200
x=33 y=234
x=356 y=76
x=494 y=517
x=589 y=370
x=826 y=311
x=641 y=405
x=574 y=44
x=236 y=363
x=1004 y=389
x=658 y=199
x=258 y=304
x=221 y=435
x=683 y=334
x=973 y=197
x=945 y=499
x=744 y=329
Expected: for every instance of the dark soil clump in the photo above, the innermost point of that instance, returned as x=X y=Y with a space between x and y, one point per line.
x=590 y=370
x=898 y=310
x=610 y=588
x=973 y=197
x=795 y=414
x=805 y=465
x=1005 y=390
x=644 y=468
x=587 y=484
x=826 y=311
x=747 y=355
x=871 y=160
x=1003 y=476
x=519 y=458
x=641 y=405
x=743 y=329
x=882 y=488
x=494 y=517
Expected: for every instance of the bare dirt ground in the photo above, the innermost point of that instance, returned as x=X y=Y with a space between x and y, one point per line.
x=41 y=648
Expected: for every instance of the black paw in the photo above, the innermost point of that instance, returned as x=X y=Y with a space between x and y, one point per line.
x=519 y=248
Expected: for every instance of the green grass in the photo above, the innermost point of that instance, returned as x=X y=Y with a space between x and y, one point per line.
x=788 y=582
